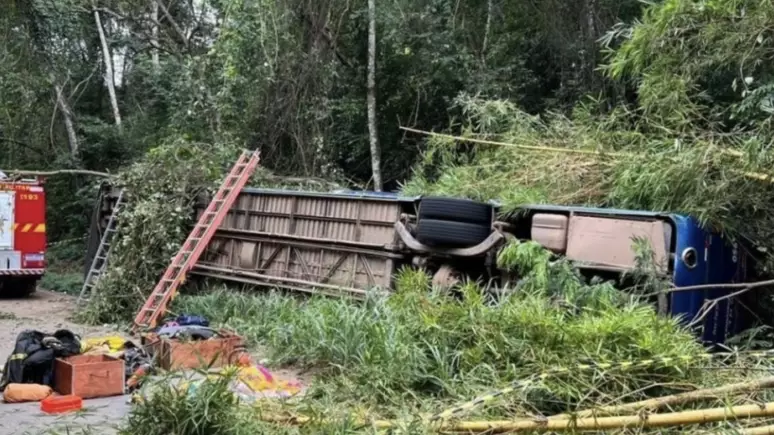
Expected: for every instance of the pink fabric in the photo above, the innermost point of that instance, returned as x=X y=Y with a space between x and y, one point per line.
x=266 y=373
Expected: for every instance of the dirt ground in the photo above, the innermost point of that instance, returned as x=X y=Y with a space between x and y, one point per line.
x=46 y=312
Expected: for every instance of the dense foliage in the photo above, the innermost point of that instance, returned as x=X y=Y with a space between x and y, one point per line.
x=287 y=76
x=683 y=85
x=645 y=105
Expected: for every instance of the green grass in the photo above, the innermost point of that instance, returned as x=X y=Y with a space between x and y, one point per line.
x=64 y=273
x=63 y=282
x=419 y=351
x=423 y=350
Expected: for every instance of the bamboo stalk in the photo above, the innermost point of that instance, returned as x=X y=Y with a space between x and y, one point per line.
x=524 y=147
x=674 y=399
x=19 y=172
x=753 y=175
x=590 y=424
x=758 y=430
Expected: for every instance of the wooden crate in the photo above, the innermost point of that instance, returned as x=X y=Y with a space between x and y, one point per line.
x=176 y=355
x=89 y=376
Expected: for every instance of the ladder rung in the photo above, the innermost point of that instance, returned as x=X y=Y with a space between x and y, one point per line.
x=201 y=233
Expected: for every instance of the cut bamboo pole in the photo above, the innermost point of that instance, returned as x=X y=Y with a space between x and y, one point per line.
x=629 y=421
x=759 y=430
x=583 y=424
x=674 y=399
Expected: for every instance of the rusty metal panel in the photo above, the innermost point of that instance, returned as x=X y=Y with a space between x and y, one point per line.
x=308 y=266
x=303 y=241
x=315 y=217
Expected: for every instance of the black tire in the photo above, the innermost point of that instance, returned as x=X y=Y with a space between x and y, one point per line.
x=22 y=287
x=450 y=234
x=455 y=209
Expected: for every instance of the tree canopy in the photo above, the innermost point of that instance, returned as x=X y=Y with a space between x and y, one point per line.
x=96 y=84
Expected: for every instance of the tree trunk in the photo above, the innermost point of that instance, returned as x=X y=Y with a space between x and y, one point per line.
x=109 y=77
x=67 y=114
x=590 y=58
x=371 y=84
x=487 y=29
x=155 y=37
x=174 y=24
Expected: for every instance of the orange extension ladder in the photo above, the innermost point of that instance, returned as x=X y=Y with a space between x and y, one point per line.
x=196 y=243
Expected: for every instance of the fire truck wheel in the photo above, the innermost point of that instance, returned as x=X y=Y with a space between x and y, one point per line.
x=22 y=287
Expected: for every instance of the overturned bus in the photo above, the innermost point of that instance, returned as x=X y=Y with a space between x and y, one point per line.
x=351 y=242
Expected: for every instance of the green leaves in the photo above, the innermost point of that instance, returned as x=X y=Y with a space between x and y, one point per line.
x=694 y=61
x=420 y=350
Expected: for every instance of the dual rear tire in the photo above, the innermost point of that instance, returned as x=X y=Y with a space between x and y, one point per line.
x=453 y=222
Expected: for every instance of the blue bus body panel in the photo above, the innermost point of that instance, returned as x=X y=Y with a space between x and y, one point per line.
x=686 y=304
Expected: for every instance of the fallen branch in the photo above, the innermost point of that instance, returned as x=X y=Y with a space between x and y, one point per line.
x=674 y=399
x=584 y=424
x=737 y=285
x=16 y=172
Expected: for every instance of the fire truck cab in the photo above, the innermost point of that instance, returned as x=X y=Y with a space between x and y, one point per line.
x=22 y=235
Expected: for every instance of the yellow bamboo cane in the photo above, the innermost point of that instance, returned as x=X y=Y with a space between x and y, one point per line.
x=583 y=424
x=759 y=430
x=674 y=399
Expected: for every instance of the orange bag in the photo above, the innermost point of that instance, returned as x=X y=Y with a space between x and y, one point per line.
x=15 y=393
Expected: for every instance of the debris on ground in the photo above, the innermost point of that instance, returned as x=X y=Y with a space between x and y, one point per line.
x=249 y=384
x=18 y=393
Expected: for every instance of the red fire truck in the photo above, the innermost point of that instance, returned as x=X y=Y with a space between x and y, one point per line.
x=22 y=235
